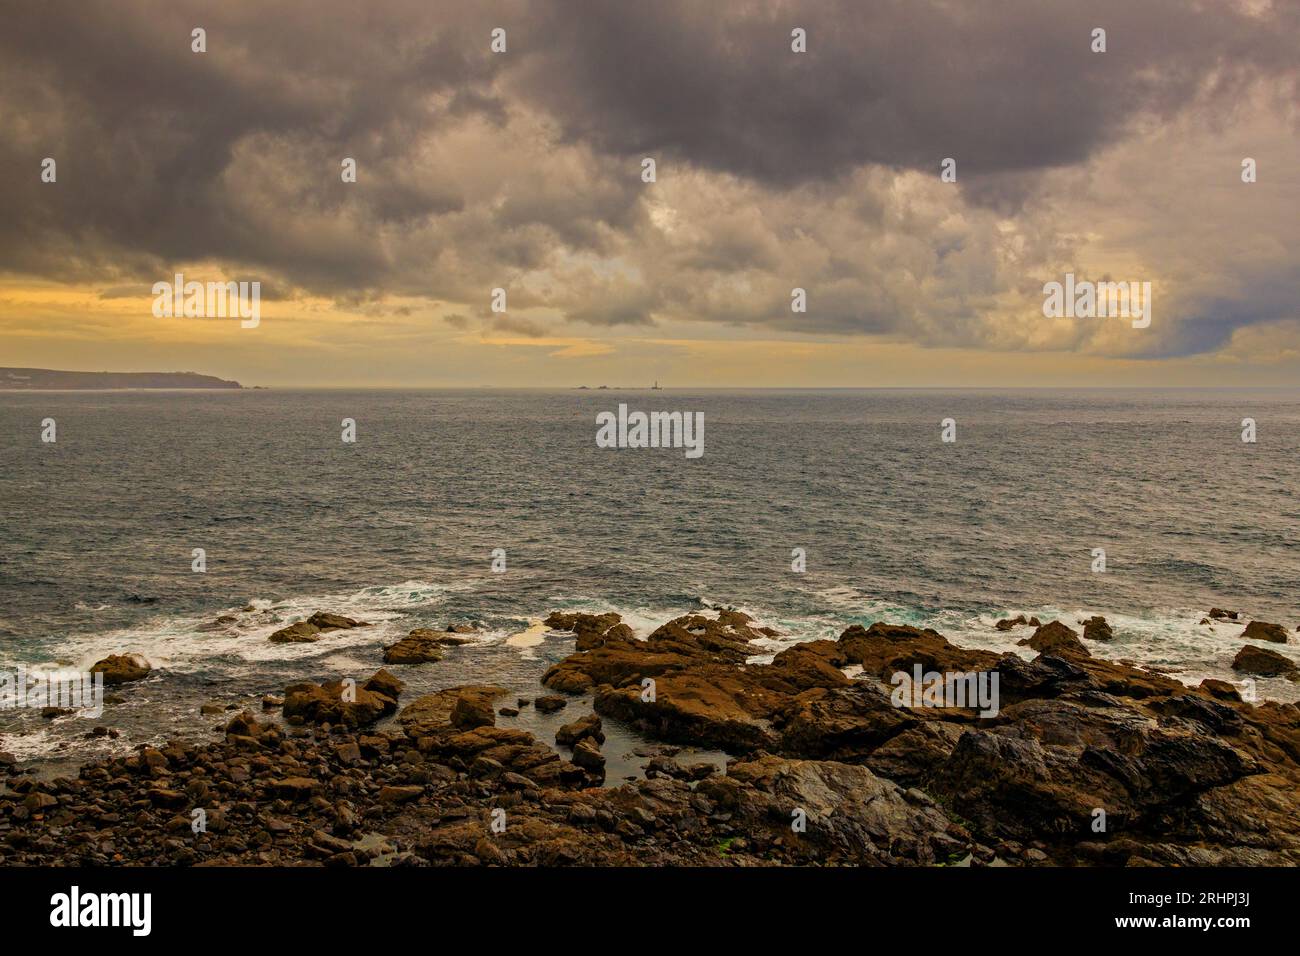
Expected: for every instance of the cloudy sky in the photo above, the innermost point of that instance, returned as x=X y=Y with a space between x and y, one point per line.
x=774 y=170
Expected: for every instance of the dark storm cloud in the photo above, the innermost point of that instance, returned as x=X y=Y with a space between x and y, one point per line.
x=144 y=129
x=477 y=170
x=1005 y=86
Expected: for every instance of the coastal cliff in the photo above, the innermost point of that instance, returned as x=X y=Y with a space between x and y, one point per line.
x=44 y=378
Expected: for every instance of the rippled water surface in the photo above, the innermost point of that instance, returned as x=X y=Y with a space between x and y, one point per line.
x=399 y=528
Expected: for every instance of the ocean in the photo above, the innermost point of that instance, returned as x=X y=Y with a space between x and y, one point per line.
x=400 y=528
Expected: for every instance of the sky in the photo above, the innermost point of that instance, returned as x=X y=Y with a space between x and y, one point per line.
x=774 y=169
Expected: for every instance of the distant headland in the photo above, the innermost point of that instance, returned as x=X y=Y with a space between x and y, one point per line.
x=40 y=378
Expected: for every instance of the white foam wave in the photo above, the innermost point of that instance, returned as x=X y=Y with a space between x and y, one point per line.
x=189 y=643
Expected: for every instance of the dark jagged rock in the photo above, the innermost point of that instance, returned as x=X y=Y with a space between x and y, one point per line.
x=569 y=734
x=1057 y=638
x=1220 y=690
x=1096 y=629
x=1265 y=663
x=333 y=622
x=587 y=755
x=1007 y=623
x=591 y=630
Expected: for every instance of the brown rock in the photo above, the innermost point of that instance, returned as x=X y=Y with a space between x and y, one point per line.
x=418 y=647
x=850 y=813
x=348 y=752
x=245 y=724
x=589 y=726
x=122 y=668
x=1057 y=639
x=382 y=682
x=711 y=706
x=333 y=622
x=1263 y=631
x=591 y=630
x=472 y=710
x=326 y=703
x=310 y=630
x=1265 y=663
x=1007 y=623
x=38 y=801
x=1096 y=629
x=432 y=712
x=1220 y=690
x=884 y=649
x=402 y=794
x=304 y=632
x=587 y=755
x=294 y=788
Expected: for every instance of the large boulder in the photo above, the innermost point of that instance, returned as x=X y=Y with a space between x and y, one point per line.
x=713 y=708
x=342 y=702
x=1096 y=629
x=433 y=712
x=1057 y=639
x=1263 y=631
x=1055 y=762
x=587 y=755
x=885 y=649
x=473 y=710
x=615 y=657
x=1265 y=663
x=590 y=726
x=1220 y=690
x=122 y=668
x=842 y=723
x=382 y=682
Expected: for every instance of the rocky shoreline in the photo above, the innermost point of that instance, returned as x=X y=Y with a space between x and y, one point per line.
x=1085 y=762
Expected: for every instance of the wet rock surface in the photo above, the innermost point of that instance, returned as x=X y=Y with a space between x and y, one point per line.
x=122 y=668
x=311 y=630
x=1265 y=663
x=1263 y=631
x=824 y=768
x=421 y=646
x=1058 y=638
